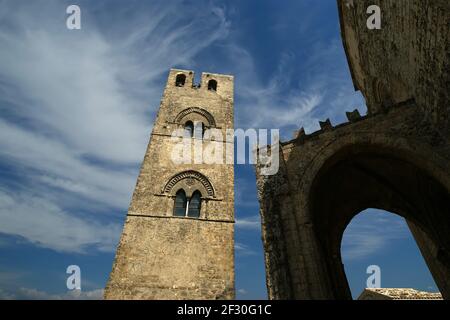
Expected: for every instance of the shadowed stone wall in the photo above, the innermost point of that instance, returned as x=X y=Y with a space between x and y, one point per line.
x=396 y=158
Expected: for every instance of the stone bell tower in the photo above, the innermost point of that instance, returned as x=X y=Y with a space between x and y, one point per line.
x=178 y=238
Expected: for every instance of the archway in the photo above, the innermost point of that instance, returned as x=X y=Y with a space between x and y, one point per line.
x=358 y=177
x=378 y=247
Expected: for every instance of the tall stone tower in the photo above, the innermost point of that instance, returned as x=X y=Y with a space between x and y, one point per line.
x=395 y=158
x=178 y=238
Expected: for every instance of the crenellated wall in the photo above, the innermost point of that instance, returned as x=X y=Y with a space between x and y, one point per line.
x=396 y=158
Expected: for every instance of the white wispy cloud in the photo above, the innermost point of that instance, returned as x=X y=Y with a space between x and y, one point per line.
x=242 y=291
x=243 y=249
x=268 y=104
x=77 y=106
x=45 y=224
x=283 y=102
x=75 y=115
x=252 y=223
x=371 y=232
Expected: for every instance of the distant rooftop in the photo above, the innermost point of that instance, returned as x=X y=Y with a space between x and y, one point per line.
x=398 y=294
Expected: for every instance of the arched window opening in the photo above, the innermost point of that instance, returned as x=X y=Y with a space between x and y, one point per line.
x=199 y=130
x=189 y=129
x=212 y=85
x=194 y=205
x=180 y=80
x=179 y=209
x=187 y=207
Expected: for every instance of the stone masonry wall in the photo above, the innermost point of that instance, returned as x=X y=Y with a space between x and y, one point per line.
x=161 y=256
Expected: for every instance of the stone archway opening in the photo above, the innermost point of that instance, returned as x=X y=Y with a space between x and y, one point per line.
x=379 y=250
x=361 y=177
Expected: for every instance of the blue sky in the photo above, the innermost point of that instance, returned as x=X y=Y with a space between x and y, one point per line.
x=77 y=107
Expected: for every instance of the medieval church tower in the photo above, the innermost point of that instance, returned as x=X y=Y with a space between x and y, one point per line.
x=177 y=242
